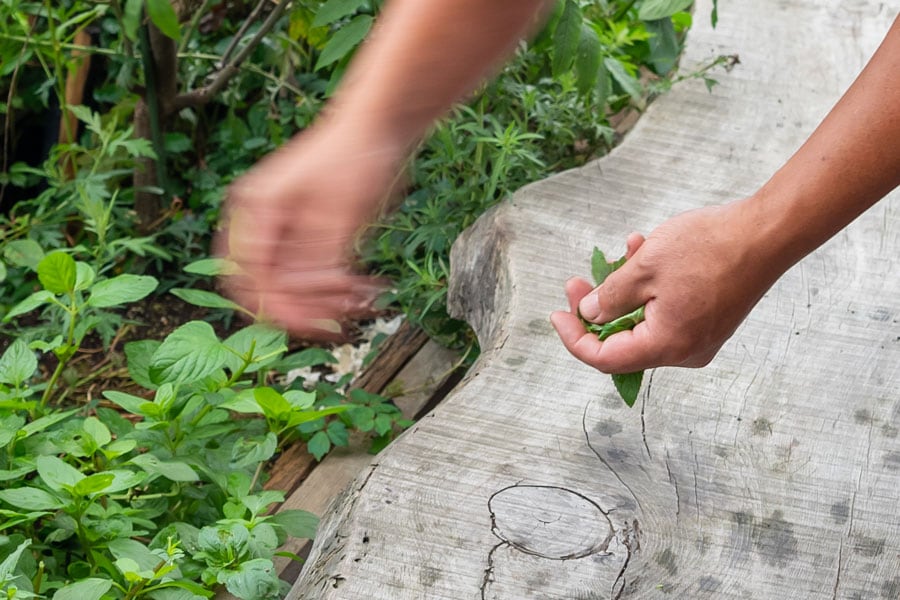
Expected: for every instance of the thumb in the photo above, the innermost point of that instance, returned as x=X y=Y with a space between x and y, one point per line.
x=623 y=291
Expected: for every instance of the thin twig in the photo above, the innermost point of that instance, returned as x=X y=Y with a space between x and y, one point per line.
x=192 y=26
x=240 y=33
x=204 y=94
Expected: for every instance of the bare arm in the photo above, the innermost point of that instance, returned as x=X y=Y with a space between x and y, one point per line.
x=291 y=220
x=737 y=251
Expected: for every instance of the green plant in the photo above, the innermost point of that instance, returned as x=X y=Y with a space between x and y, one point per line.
x=627 y=384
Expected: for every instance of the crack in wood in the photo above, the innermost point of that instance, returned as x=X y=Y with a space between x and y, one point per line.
x=489 y=570
x=644 y=400
x=587 y=439
x=674 y=483
x=837 y=578
x=631 y=536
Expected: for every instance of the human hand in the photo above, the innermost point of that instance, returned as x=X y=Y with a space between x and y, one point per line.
x=698 y=276
x=291 y=221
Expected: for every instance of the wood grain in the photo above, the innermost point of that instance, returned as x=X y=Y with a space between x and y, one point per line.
x=772 y=473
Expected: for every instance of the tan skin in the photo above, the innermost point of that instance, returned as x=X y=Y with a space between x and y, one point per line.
x=290 y=222
x=684 y=272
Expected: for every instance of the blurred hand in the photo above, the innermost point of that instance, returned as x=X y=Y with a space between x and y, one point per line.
x=291 y=221
x=698 y=274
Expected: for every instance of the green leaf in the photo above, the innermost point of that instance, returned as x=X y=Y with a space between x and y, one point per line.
x=84 y=276
x=188 y=354
x=664 y=47
x=57 y=474
x=17 y=364
x=714 y=15
x=23 y=253
x=163 y=16
x=319 y=445
x=651 y=10
x=2 y=272
x=273 y=404
x=30 y=498
x=251 y=451
x=30 y=303
x=131 y=18
x=135 y=551
x=212 y=267
x=95 y=428
x=628 y=385
x=205 y=299
x=337 y=433
x=138 y=355
x=566 y=38
x=601 y=268
x=310 y=357
x=92 y=588
x=344 y=40
x=121 y=289
x=47 y=421
x=93 y=484
x=631 y=85
x=132 y=404
x=267 y=343
x=172 y=470
x=8 y=566
x=257 y=503
x=296 y=523
x=333 y=10
x=587 y=60
x=243 y=402
x=57 y=272
x=255 y=578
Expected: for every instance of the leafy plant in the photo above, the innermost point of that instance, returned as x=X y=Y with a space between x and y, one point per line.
x=627 y=384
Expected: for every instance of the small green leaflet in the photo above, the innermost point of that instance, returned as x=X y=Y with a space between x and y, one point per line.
x=566 y=38
x=344 y=40
x=627 y=384
x=659 y=9
x=57 y=272
x=163 y=16
x=333 y=10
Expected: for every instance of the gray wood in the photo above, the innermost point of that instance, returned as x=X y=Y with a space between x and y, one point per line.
x=772 y=473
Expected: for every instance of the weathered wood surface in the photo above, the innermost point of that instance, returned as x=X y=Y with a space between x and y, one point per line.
x=772 y=473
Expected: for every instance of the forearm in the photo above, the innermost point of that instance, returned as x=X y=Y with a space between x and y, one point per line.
x=424 y=55
x=850 y=162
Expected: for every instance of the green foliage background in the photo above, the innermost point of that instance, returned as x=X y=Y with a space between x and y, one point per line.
x=154 y=490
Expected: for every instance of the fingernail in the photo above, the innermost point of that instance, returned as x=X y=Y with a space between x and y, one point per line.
x=589 y=306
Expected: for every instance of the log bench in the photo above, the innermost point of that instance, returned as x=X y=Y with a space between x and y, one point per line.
x=772 y=473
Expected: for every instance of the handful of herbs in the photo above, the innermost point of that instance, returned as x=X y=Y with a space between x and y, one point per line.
x=627 y=384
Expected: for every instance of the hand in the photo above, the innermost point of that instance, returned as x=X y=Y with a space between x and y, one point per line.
x=291 y=221
x=698 y=275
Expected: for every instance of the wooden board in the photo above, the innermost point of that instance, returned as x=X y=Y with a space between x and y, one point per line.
x=772 y=473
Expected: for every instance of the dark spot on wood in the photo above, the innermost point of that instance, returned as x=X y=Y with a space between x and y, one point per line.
x=666 y=559
x=863 y=416
x=617 y=454
x=892 y=460
x=869 y=547
x=515 y=361
x=762 y=427
x=880 y=314
x=840 y=511
x=891 y=589
x=428 y=576
x=774 y=539
x=721 y=451
x=889 y=431
x=608 y=428
x=709 y=584
x=365 y=539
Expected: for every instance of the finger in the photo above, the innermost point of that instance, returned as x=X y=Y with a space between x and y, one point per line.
x=623 y=291
x=576 y=289
x=633 y=243
x=624 y=352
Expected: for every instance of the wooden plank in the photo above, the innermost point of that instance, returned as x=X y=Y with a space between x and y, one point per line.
x=772 y=473
x=422 y=376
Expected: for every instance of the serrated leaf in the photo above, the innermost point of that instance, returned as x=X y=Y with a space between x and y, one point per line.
x=57 y=272
x=17 y=364
x=651 y=10
x=587 y=60
x=92 y=588
x=30 y=498
x=163 y=16
x=251 y=451
x=344 y=40
x=628 y=83
x=172 y=470
x=255 y=578
x=664 y=47
x=628 y=386
x=188 y=354
x=267 y=343
x=23 y=253
x=333 y=10
x=121 y=289
x=138 y=356
x=566 y=38
x=57 y=474
x=205 y=299
x=30 y=303
x=319 y=445
x=296 y=523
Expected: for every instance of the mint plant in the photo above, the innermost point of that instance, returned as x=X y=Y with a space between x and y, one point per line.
x=627 y=384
